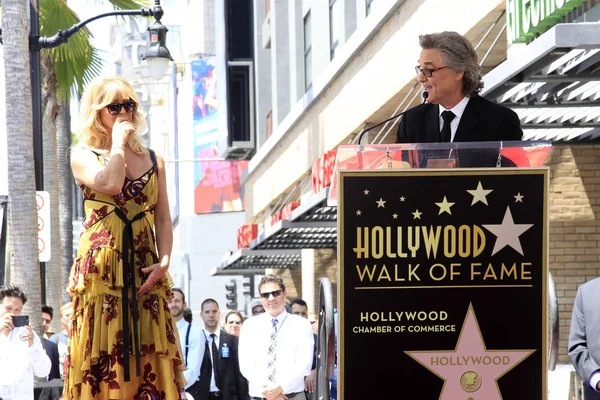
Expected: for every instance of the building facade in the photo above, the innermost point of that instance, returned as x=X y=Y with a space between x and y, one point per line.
x=326 y=69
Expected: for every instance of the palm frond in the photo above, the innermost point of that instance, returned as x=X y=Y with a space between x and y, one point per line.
x=76 y=62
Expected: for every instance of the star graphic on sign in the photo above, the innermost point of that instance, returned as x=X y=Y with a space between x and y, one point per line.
x=358 y=212
x=507 y=233
x=444 y=206
x=417 y=214
x=480 y=194
x=470 y=376
x=518 y=198
x=381 y=203
x=395 y=216
x=366 y=192
x=402 y=199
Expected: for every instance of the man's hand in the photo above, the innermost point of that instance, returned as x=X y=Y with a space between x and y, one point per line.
x=273 y=392
x=28 y=335
x=310 y=381
x=6 y=323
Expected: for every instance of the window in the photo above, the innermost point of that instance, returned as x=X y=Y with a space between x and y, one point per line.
x=335 y=26
x=307 y=53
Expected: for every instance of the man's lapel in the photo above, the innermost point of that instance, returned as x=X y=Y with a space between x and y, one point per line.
x=432 y=124
x=468 y=121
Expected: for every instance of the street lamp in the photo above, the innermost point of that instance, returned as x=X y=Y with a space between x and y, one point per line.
x=157 y=55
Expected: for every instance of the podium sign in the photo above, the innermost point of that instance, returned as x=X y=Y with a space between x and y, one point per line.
x=443 y=284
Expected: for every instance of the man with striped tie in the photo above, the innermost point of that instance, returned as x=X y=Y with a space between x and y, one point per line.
x=276 y=347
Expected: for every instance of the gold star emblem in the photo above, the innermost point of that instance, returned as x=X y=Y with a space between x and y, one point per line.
x=358 y=212
x=395 y=216
x=444 y=206
x=366 y=192
x=480 y=194
x=381 y=203
x=417 y=214
x=402 y=199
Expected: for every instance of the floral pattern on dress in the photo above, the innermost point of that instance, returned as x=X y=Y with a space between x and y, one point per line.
x=94 y=364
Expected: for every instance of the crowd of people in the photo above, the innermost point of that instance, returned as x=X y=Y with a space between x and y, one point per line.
x=269 y=355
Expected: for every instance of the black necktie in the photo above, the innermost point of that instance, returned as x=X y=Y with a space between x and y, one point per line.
x=215 y=359
x=446 y=133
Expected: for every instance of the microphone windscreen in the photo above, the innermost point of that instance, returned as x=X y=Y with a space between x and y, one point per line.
x=425 y=96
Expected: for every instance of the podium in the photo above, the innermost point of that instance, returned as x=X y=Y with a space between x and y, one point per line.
x=443 y=268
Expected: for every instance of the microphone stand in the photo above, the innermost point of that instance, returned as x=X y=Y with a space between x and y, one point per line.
x=365 y=130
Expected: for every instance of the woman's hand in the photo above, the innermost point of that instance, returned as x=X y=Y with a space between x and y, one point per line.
x=121 y=131
x=156 y=272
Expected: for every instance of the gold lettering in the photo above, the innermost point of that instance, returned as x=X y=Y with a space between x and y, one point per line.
x=443 y=273
x=384 y=274
x=473 y=272
x=413 y=240
x=526 y=274
x=362 y=251
x=449 y=241
x=490 y=273
x=388 y=242
x=377 y=241
x=431 y=240
x=366 y=271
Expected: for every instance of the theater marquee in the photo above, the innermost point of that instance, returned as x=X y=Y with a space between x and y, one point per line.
x=442 y=286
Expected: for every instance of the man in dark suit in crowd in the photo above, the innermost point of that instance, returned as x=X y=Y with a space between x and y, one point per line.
x=220 y=376
x=449 y=72
x=50 y=347
x=584 y=346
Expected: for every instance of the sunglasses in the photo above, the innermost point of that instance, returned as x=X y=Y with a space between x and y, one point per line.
x=115 y=108
x=275 y=293
x=235 y=322
x=258 y=312
x=427 y=72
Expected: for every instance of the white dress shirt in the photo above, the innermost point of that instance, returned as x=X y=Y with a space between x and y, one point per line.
x=18 y=363
x=195 y=351
x=458 y=110
x=208 y=338
x=294 y=352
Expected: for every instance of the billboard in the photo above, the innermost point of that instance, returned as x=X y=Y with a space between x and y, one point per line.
x=217 y=183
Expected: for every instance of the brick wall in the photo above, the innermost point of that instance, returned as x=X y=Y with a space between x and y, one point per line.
x=574 y=228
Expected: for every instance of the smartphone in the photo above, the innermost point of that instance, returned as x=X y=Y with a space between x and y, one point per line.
x=20 y=320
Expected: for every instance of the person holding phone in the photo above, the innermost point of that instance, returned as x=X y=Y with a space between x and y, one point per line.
x=123 y=341
x=21 y=352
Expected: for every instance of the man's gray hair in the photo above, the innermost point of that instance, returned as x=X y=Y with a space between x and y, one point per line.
x=458 y=53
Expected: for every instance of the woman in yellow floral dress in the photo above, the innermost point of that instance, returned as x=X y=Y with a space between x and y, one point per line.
x=123 y=343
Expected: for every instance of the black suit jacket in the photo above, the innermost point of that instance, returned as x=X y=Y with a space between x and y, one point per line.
x=233 y=385
x=52 y=352
x=482 y=121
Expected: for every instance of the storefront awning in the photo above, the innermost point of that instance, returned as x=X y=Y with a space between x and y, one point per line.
x=313 y=225
x=553 y=84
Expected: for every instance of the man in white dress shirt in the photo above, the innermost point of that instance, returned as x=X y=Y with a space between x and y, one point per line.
x=276 y=348
x=190 y=337
x=21 y=352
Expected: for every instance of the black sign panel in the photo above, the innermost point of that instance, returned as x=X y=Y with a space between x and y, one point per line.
x=443 y=284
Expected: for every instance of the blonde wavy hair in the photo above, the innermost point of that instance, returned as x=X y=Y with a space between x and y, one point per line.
x=100 y=93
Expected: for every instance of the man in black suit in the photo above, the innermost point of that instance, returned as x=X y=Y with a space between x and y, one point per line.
x=449 y=73
x=50 y=347
x=220 y=376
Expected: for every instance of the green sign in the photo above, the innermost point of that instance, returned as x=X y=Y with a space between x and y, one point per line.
x=526 y=18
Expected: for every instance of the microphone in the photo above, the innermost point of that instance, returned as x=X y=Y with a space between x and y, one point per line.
x=362 y=133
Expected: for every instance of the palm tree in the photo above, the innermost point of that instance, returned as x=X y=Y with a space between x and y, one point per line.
x=22 y=218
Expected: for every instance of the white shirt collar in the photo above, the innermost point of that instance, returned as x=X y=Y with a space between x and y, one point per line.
x=182 y=323
x=457 y=110
x=207 y=333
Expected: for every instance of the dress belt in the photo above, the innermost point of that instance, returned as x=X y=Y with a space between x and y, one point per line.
x=129 y=268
